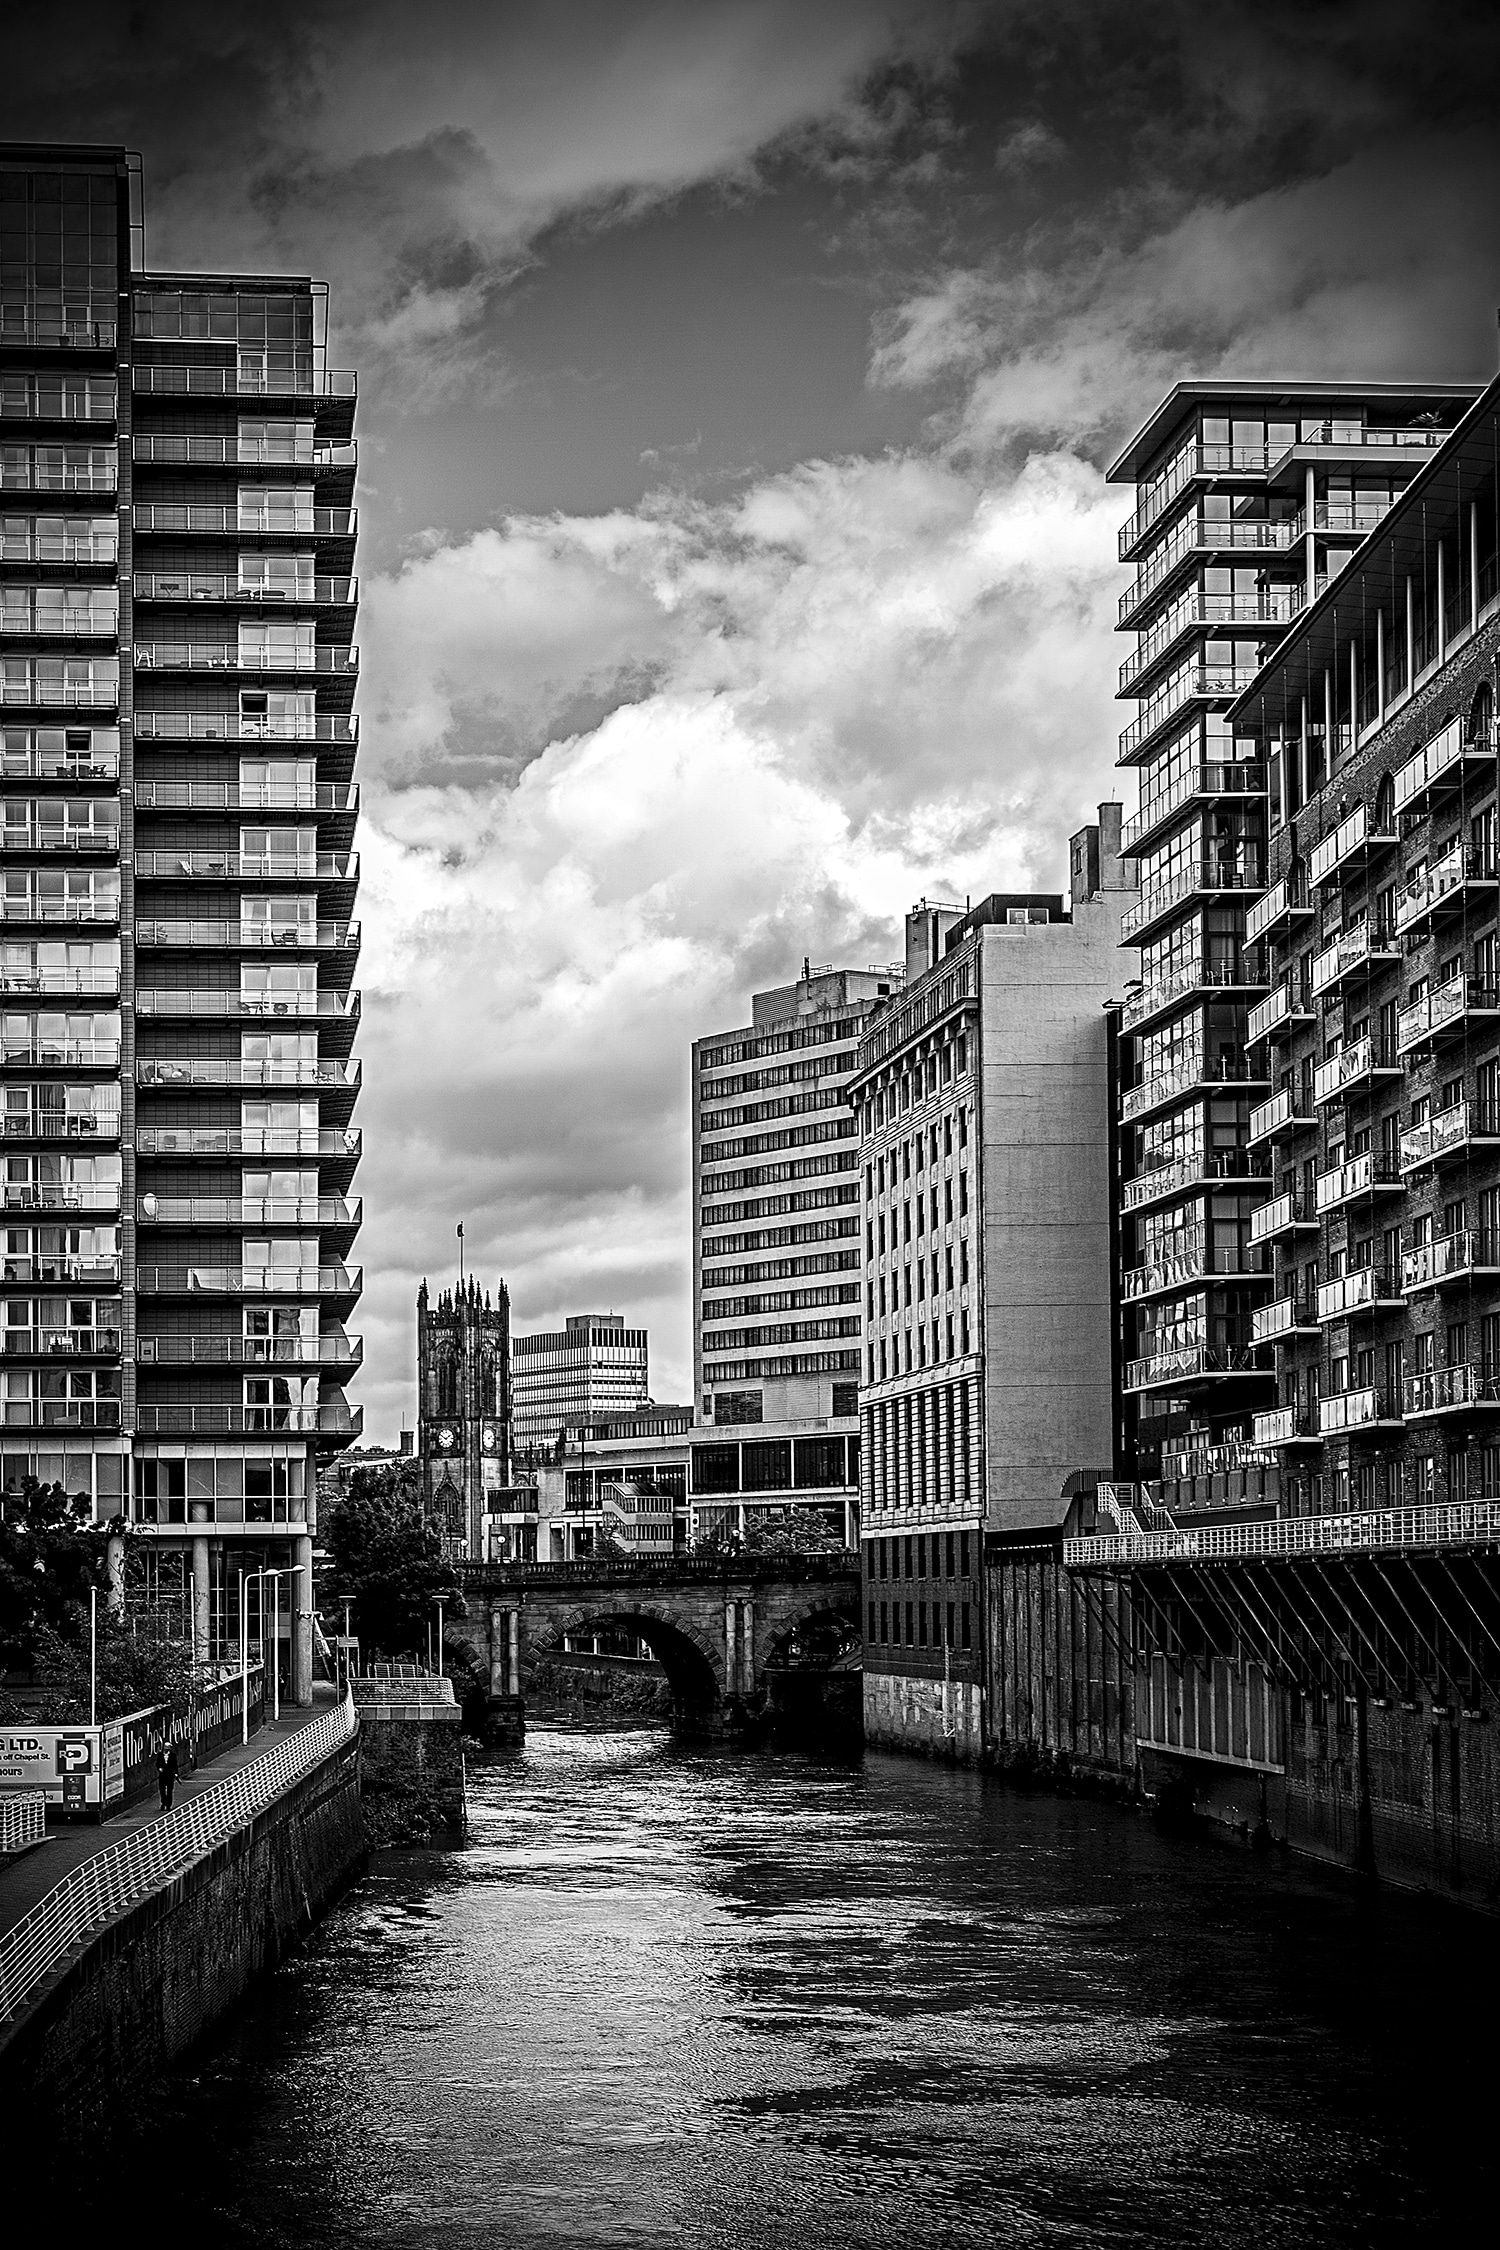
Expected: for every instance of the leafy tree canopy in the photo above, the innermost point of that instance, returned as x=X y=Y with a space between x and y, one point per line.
x=51 y=1552
x=137 y=1670
x=388 y=1561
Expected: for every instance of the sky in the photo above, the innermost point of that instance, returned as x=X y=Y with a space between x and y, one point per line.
x=737 y=383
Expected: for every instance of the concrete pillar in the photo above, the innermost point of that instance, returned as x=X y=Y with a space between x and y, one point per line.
x=115 y=1557
x=300 y=1591
x=499 y=1650
x=731 y=1651
x=513 y=1651
x=200 y=1592
x=747 y=1648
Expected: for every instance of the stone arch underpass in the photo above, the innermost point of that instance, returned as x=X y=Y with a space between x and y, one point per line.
x=739 y=1642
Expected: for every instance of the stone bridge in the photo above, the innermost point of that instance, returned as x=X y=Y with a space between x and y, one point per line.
x=741 y=1639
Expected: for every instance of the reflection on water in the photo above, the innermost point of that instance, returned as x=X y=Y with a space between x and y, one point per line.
x=674 y=1997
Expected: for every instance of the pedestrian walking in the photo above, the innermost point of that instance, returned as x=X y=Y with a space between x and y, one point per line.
x=166 y=1773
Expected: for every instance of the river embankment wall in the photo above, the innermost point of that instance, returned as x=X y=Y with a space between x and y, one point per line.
x=141 y=1991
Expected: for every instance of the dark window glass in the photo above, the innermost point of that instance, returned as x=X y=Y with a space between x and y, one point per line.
x=716 y=1468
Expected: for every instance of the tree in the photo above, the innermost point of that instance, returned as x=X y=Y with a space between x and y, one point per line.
x=134 y=1671
x=51 y=1553
x=388 y=1561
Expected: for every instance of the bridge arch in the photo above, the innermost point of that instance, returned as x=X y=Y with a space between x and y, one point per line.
x=694 y=1669
x=820 y=1631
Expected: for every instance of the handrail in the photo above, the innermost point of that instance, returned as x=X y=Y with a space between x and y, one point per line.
x=129 y=1871
x=1448 y=1524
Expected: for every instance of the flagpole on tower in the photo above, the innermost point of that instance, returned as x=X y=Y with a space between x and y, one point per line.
x=460 y=1257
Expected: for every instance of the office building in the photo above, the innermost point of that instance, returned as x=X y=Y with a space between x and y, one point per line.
x=982 y=1102
x=177 y=671
x=593 y=1365
x=1380 y=1130
x=1250 y=500
x=463 y=1436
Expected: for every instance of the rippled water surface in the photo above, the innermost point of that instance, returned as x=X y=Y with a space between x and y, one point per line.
x=667 y=1997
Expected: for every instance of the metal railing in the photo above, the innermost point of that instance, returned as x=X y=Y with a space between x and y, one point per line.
x=315 y=1007
x=248 y=1140
x=200 y=656
x=1447 y=1007
x=1446 y=1132
x=23 y=1820
x=1458 y=1523
x=241 y=726
x=1281 y=902
x=226 y=586
x=104 y=1886
x=230 y=1070
x=282 y=937
x=230 y=521
x=230 y=866
x=1357 y=832
x=250 y=1421
x=248 y=1351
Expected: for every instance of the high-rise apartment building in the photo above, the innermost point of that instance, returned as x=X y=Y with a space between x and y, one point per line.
x=463 y=1411
x=590 y=1367
x=177 y=672
x=776 y=1263
x=981 y=1097
x=1250 y=500
x=1376 y=724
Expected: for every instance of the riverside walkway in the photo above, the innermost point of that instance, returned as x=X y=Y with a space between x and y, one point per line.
x=26 y=1880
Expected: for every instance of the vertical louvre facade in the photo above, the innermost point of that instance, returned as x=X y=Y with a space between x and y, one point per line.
x=179 y=881
x=1249 y=501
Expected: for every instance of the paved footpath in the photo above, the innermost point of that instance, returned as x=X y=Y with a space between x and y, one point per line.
x=28 y=1878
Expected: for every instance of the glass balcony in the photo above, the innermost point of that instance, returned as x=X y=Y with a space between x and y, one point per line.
x=250 y=1281
x=1366 y=1289
x=1284 y=1216
x=91 y=984
x=1442 y=889
x=1284 y=905
x=74 y=1269
x=49 y=759
x=241 y=726
x=1438 y=769
x=335 y=1350
x=1362 y=1179
x=1198 y=683
x=249 y=1421
x=248 y=796
x=1279 y=1118
x=252 y=937
x=1281 y=1319
x=59 y=468
x=1194 y=1074
x=35 y=905
x=301 y=378
x=60 y=621
x=1202 y=535
x=62 y=1054
x=1234 y=1167
x=220 y=586
x=1282 y=1011
x=1192 y=462
x=57 y=836
x=1356 y=1410
x=1190 y=1261
x=248 y=1211
x=61 y=1195
x=1208 y=881
x=61 y=1125
x=1451 y=1390
x=305 y=1007
x=239 y=452
x=1190 y=1369
x=261 y=867
x=177 y=518
x=1352 y=953
x=200 y=656
x=1448 y=1136
x=62 y=1413
x=1197 y=979
x=233 y=1070
x=1351 y=843
x=60 y=1343
x=341 y=1141
x=1358 y=1065
x=61 y=683
x=60 y=539
x=1283 y=1425
x=1452 y=1257
x=1204 y=784
x=1444 y=1013
x=1193 y=612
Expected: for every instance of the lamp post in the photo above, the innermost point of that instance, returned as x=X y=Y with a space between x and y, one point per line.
x=93 y=1656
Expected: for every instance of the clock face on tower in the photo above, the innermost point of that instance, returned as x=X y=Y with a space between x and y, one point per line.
x=445 y=1440
x=487 y=1440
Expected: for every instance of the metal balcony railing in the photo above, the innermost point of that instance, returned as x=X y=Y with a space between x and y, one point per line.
x=305 y=1007
x=60 y=1343
x=226 y=586
x=234 y=1070
x=1195 y=1261
x=1364 y=1289
x=60 y=1195
x=100 y=763
x=1284 y=904
x=1200 y=785
x=1368 y=1174
x=92 y=984
x=1193 y=461
x=47 y=683
x=173 y=516
x=249 y=1351
x=246 y=796
x=304 y=380
x=242 y=726
x=45 y=469
x=60 y=1413
x=1395 y=1530
x=1355 y=837
x=211 y=866
x=1194 y=1071
x=1445 y=1011
x=1204 y=1169
x=1285 y=1007
x=1202 y=535
x=248 y=1211
x=1246 y=973
x=1198 y=682
x=1284 y=1214
x=1441 y=887
x=249 y=1421
x=59 y=1125
x=1447 y=1133
x=1192 y=1364
x=273 y=937
x=1204 y=881
x=1283 y=1425
x=1283 y=1114
x=239 y=452
x=1438 y=766
x=62 y=1054
x=1451 y=1257
x=99 y=545
x=60 y=621
x=236 y=1140
x=1450 y=1390
x=1283 y=1316
x=250 y=1281
x=91 y=1272
x=21 y=836
x=199 y=656
x=1354 y=1065
x=1355 y=1410
x=1365 y=946
x=103 y=1886
x=32 y=906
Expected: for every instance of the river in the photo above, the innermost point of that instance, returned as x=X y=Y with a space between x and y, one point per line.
x=669 y=1997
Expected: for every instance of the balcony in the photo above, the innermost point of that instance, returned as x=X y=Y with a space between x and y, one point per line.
x=220 y=586
x=1451 y=1390
x=61 y=1054
x=1224 y=1167
x=233 y=1070
x=1194 y=1263
x=1280 y=1219
x=1279 y=1118
x=1205 y=784
x=74 y=1270
x=1193 y=461
x=1283 y=1318
x=1196 y=1074
x=247 y=797
x=240 y=726
x=1348 y=1411
x=1443 y=888
x=98 y=547
x=1197 y=980
x=1439 y=769
x=331 y=1141
x=32 y=471
x=57 y=621
x=254 y=937
x=1364 y=1178
x=60 y=1125
x=1353 y=953
x=78 y=984
x=1202 y=535
x=59 y=683
x=1365 y=1289
x=174 y=518
x=1358 y=1066
x=36 y=906
x=201 y=656
x=1284 y=905
x=1280 y=1013
x=249 y=1421
x=59 y=1195
x=60 y=1343
x=161 y=451
x=238 y=867
x=1354 y=841
x=100 y=763
x=1460 y=1257
x=300 y=381
x=1284 y=1425
x=59 y=836
x=1193 y=611
x=1191 y=1368
x=250 y=1351
x=333 y=1211
x=301 y=1007
x=1205 y=881
x=62 y=1414
x=1198 y=683
x=1445 y=1013
x=1448 y=1136
x=249 y=1281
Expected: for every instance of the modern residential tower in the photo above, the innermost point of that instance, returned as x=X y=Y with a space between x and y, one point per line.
x=178 y=667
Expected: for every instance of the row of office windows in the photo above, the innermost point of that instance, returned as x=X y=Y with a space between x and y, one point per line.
x=951 y=1625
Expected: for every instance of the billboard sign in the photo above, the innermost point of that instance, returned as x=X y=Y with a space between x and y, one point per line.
x=73 y=1765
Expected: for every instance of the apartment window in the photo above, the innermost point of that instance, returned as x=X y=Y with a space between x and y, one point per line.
x=884 y=1622
x=911 y=1636
x=963 y=1554
x=922 y=1623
